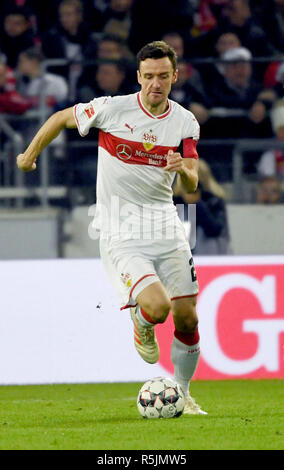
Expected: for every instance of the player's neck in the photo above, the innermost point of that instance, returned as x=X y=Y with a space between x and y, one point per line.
x=156 y=109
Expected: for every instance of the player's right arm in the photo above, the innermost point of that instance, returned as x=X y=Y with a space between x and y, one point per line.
x=47 y=133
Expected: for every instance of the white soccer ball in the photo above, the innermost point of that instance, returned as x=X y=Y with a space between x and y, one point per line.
x=160 y=398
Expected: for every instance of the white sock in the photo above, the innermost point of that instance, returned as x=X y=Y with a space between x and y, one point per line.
x=142 y=320
x=185 y=359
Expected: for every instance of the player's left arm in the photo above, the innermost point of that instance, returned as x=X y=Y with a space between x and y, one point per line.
x=186 y=168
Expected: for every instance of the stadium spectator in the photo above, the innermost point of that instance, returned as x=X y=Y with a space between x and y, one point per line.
x=32 y=82
x=11 y=100
x=70 y=35
x=269 y=191
x=270 y=75
x=212 y=230
x=206 y=15
x=112 y=47
x=188 y=87
x=7 y=4
x=152 y=20
x=42 y=15
x=116 y=19
x=279 y=87
x=109 y=47
x=236 y=17
x=271 y=16
x=16 y=35
x=108 y=81
x=274 y=78
x=70 y=39
x=236 y=105
x=272 y=161
x=45 y=14
x=9 y=84
x=28 y=5
x=93 y=14
x=224 y=42
x=176 y=41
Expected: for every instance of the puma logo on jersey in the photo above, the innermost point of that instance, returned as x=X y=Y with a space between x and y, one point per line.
x=129 y=127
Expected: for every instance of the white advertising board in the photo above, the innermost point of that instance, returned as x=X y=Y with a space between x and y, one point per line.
x=60 y=322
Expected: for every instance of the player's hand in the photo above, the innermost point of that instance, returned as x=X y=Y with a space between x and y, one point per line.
x=174 y=162
x=24 y=164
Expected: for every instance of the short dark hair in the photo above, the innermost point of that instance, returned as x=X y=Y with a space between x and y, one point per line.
x=19 y=11
x=119 y=64
x=157 y=50
x=77 y=4
x=33 y=53
x=112 y=38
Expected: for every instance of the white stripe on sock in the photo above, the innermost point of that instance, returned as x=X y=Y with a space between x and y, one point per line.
x=141 y=318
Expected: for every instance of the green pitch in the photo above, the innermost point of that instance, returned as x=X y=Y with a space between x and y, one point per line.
x=242 y=415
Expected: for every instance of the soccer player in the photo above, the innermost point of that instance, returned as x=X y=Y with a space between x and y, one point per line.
x=143 y=244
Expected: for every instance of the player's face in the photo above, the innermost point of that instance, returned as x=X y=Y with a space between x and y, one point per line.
x=156 y=77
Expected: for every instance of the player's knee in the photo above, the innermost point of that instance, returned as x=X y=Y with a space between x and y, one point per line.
x=186 y=322
x=162 y=313
x=191 y=324
x=159 y=311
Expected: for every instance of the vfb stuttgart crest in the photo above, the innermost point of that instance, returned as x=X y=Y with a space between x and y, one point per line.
x=149 y=140
x=126 y=279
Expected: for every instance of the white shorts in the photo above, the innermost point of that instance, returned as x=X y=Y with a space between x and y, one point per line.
x=131 y=271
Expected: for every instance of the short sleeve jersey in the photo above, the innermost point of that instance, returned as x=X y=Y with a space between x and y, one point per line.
x=133 y=148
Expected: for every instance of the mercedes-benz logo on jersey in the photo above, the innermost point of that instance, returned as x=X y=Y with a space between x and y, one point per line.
x=124 y=152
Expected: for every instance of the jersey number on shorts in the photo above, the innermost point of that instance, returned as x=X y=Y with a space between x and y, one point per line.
x=192 y=270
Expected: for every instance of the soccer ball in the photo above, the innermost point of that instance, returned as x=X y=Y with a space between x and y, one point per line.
x=160 y=398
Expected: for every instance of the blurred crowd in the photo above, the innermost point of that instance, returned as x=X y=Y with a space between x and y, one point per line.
x=230 y=62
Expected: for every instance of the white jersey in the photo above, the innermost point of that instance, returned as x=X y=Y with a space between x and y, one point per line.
x=132 y=186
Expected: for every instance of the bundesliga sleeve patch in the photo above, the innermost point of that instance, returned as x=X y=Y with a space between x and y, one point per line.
x=90 y=112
